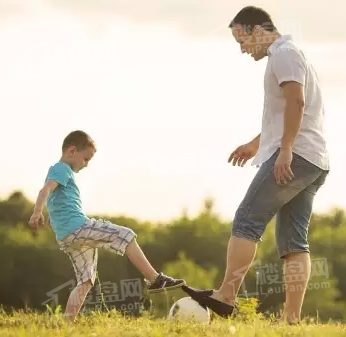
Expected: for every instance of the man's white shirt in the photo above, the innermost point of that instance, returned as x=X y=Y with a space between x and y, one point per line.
x=287 y=62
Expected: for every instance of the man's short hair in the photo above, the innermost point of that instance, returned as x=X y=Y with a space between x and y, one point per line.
x=252 y=16
x=80 y=139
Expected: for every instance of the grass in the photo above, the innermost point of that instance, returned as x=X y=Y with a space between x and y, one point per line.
x=20 y=324
x=246 y=324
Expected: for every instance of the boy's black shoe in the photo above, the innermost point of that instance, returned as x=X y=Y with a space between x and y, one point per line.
x=164 y=282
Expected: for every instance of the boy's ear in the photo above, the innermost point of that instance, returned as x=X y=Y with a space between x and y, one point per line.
x=72 y=150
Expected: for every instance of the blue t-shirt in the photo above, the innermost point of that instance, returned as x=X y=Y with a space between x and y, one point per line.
x=64 y=204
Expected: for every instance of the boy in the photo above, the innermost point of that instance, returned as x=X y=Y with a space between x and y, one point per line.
x=77 y=235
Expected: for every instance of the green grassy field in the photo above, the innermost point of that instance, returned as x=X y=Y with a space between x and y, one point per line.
x=113 y=324
x=247 y=323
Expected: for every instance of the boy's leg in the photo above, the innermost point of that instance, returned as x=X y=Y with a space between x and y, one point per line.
x=156 y=281
x=292 y=243
x=76 y=300
x=262 y=201
x=84 y=262
x=122 y=241
x=140 y=261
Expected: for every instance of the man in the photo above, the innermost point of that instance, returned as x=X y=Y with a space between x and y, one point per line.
x=292 y=154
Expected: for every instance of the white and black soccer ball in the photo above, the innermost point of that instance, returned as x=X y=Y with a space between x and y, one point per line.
x=187 y=309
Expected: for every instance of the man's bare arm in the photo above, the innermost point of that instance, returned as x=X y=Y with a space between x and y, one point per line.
x=294 y=109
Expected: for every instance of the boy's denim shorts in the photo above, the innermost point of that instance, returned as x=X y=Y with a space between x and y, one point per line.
x=291 y=204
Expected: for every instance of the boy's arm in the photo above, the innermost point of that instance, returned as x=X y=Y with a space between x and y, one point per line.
x=37 y=216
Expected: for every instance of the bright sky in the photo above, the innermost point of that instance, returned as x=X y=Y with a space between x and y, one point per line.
x=165 y=96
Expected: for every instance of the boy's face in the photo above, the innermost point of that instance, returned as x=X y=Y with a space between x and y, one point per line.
x=80 y=159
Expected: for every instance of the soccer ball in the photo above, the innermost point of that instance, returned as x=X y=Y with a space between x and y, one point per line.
x=187 y=309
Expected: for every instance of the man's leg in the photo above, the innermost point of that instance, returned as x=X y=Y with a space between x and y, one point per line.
x=240 y=255
x=297 y=269
x=292 y=242
x=262 y=201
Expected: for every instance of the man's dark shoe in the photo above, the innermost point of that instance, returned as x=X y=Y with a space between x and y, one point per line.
x=164 y=282
x=203 y=298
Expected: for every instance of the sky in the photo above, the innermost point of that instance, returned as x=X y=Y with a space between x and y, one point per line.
x=163 y=89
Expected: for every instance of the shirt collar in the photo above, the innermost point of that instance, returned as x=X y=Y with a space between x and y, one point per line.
x=279 y=41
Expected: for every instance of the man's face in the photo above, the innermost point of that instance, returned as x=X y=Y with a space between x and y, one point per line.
x=251 y=43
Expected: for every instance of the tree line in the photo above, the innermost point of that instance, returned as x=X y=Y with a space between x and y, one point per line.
x=35 y=273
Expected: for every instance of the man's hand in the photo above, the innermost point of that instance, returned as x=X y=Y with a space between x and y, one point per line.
x=36 y=219
x=243 y=153
x=282 y=167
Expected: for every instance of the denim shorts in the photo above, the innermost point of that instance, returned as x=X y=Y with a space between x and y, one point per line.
x=291 y=203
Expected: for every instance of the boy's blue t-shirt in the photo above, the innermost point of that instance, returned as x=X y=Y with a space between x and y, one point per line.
x=64 y=204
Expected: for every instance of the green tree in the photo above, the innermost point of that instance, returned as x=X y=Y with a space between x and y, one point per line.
x=192 y=273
